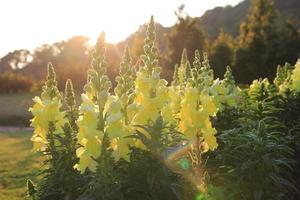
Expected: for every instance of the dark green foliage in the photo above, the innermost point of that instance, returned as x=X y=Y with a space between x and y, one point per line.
x=104 y=184
x=222 y=53
x=60 y=180
x=261 y=136
x=254 y=162
x=147 y=176
x=160 y=136
x=256 y=48
x=144 y=175
x=258 y=53
x=187 y=34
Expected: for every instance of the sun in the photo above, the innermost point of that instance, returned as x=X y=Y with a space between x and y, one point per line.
x=117 y=19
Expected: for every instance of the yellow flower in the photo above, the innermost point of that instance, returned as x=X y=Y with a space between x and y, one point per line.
x=44 y=112
x=296 y=77
x=208 y=105
x=175 y=98
x=114 y=111
x=38 y=142
x=85 y=161
x=93 y=147
x=209 y=136
x=168 y=115
x=120 y=148
x=254 y=87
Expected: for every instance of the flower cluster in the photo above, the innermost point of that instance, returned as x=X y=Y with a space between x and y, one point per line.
x=296 y=77
x=108 y=121
x=46 y=110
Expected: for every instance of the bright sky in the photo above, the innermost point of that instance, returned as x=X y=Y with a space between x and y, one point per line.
x=31 y=23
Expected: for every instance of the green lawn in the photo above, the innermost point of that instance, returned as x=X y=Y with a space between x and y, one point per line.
x=17 y=164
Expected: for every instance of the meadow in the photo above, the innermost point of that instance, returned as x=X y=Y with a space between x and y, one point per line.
x=17 y=164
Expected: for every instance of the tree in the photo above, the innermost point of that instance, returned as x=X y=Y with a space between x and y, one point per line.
x=73 y=61
x=15 y=60
x=184 y=34
x=42 y=55
x=289 y=40
x=221 y=53
x=70 y=58
x=265 y=40
x=257 y=42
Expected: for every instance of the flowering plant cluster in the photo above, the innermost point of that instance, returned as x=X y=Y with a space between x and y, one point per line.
x=143 y=121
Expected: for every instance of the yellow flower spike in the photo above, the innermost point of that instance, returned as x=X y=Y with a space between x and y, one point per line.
x=220 y=89
x=208 y=105
x=114 y=111
x=116 y=129
x=80 y=151
x=191 y=95
x=85 y=161
x=114 y=144
x=90 y=133
x=254 y=87
x=81 y=133
x=200 y=118
x=52 y=109
x=131 y=111
x=186 y=113
x=93 y=147
x=44 y=112
x=149 y=108
x=88 y=119
x=38 y=131
x=38 y=142
x=296 y=77
x=38 y=106
x=175 y=99
x=143 y=83
x=167 y=114
x=87 y=105
x=231 y=100
x=210 y=139
x=122 y=148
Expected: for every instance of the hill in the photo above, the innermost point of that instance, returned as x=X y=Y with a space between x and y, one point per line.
x=229 y=18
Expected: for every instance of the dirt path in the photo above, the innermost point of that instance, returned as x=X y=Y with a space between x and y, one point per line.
x=14 y=129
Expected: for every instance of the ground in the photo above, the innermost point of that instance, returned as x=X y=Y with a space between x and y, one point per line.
x=17 y=164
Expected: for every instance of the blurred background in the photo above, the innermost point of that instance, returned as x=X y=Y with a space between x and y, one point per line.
x=252 y=36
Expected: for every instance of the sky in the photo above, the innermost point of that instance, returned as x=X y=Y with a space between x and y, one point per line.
x=27 y=24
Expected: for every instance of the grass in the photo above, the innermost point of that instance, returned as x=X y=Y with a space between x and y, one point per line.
x=17 y=164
